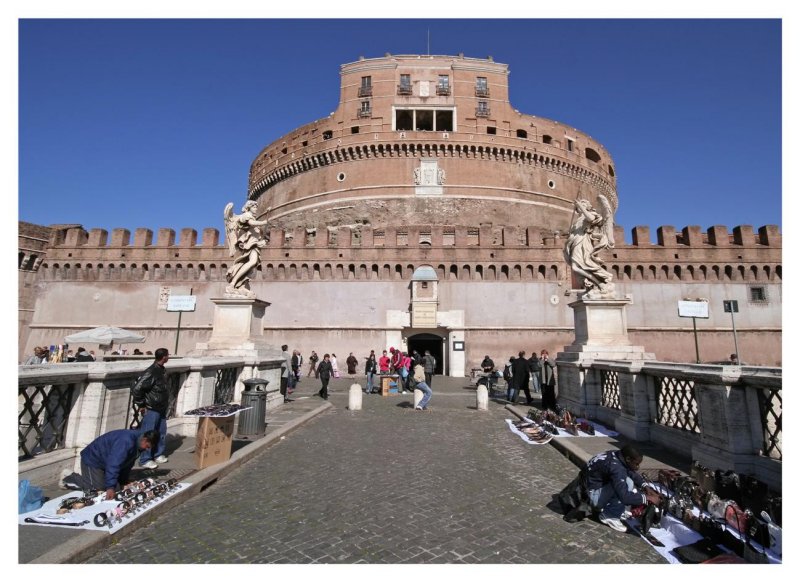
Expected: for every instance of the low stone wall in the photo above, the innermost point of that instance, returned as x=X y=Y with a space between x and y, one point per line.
x=725 y=417
x=64 y=407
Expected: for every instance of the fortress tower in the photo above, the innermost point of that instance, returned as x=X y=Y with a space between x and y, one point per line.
x=429 y=140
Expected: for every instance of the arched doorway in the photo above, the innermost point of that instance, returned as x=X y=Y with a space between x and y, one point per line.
x=431 y=342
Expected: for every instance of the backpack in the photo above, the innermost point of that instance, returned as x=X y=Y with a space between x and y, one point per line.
x=507 y=373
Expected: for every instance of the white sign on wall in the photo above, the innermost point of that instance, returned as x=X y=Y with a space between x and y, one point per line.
x=182 y=302
x=693 y=309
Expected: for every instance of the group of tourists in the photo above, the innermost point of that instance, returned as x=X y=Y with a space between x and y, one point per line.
x=536 y=373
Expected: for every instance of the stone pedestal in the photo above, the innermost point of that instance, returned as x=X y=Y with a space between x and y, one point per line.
x=601 y=333
x=238 y=331
x=482 y=398
x=354 y=397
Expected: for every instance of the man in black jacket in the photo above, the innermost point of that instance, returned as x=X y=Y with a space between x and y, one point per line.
x=519 y=378
x=613 y=482
x=151 y=397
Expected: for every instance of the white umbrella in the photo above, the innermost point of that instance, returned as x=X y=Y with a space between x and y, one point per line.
x=105 y=335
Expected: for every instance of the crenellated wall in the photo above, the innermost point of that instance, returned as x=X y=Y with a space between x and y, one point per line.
x=361 y=252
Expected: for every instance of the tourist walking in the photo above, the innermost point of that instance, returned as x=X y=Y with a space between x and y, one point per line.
x=325 y=371
x=295 y=369
x=334 y=365
x=548 y=382
x=286 y=367
x=351 y=362
x=39 y=357
x=370 y=370
x=312 y=363
x=429 y=363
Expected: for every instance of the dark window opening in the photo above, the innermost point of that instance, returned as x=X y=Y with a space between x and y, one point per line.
x=758 y=294
x=570 y=144
x=284 y=150
x=305 y=143
x=592 y=155
x=547 y=139
x=354 y=129
x=611 y=170
x=491 y=130
x=424 y=120
x=444 y=121
x=327 y=134
x=522 y=133
x=404 y=120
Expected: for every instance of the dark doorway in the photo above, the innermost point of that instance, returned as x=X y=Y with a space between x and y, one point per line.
x=430 y=342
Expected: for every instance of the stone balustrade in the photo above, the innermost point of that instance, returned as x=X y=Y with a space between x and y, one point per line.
x=726 y=417
x=63 y=407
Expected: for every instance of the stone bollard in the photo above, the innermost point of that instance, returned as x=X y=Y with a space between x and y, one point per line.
x=482 y=398
x=354 y=402
x=418 y=396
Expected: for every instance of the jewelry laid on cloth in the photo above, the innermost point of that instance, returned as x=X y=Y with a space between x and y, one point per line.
x=48 y=522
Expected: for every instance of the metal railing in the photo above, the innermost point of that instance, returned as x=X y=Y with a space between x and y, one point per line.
x=225 y=385
x=676 y=403
x=481 y=91
x=365 y=91
x=770 y=405
x=482 y=112
x=610 y=389
x=42 y=419
x=443 y=89
x=404 y=90
x=362 y=113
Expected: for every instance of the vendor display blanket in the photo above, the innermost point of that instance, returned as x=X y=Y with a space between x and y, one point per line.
x=48 y=512
x=673 y=534
x=599 y=431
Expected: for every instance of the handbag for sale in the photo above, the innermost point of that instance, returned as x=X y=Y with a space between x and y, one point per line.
x=667 y=477
x=728 y=486
x=704 y=477
x=755 y=494
x=758 y=530
x=716 y=506
x=737 y=518
x=700 y=551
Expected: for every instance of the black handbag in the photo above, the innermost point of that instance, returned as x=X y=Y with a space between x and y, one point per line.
x=700 y=551
x=704 y=477
x=758 y=531
x=728 y=485
x=755 y=494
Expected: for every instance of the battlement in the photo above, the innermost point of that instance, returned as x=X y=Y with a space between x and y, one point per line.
x=365 y=236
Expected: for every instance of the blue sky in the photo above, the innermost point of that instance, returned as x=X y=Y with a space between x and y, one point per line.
x=148 y=123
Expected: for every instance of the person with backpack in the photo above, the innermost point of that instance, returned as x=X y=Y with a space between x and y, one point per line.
x=535 y=368
x=508 y=377
x=370 y=370
x=417 y=382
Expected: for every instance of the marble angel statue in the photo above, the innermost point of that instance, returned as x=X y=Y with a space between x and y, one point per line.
x=591 y=232
x=245 y=241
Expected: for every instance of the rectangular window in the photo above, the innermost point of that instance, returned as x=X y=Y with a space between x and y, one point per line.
x=366 y=87
x=444 y=120
x=354 y=129
x=758 y=294
x=570 y=145
x=365 y=110
x=424 y=120
x=404 y=88
x=443 y=85
x=483 y=109
x=404 y=120
x=481 y=87
x=491 y=130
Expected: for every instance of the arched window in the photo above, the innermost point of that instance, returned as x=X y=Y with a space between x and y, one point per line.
x=521 y=133
x=453 y=272
x=547 y=139
x=592 y=155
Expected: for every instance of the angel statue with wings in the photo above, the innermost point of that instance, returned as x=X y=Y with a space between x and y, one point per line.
x=246 y=240
x=591 y=232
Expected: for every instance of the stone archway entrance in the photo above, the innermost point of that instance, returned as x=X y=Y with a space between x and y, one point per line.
x=433 y=343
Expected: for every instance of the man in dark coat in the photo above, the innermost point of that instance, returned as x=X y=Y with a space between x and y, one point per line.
x=151 y=397
x=520 y=376
x=325 y=371
x=351 y=362
x=547 y=381
x=535 y=369
x=429 y=363
x=107 y=461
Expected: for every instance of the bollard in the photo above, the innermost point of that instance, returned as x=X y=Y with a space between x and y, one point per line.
x=482 y=398
x=354 y=403
x=418 y=396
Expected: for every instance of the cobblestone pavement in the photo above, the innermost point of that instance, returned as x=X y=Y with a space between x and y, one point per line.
x=387 y=485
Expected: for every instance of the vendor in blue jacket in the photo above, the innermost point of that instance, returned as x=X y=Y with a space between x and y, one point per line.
x=613 y=483
x=107 y=461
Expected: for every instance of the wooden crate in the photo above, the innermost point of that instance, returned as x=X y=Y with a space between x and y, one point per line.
x=214 y=440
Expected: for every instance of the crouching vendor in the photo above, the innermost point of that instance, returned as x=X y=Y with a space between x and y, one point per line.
x=107 y=461
x=613 y=482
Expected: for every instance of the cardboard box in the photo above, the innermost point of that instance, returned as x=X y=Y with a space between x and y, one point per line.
x=214 y=440
x=386 y=381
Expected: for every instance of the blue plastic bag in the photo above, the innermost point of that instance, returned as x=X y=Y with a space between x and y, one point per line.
x=30 y=497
